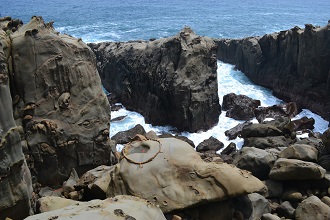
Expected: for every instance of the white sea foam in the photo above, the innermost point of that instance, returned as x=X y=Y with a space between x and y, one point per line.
x=229 y=80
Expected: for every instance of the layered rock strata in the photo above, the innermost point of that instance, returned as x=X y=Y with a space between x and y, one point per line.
x=293 y=63
x=170 y=81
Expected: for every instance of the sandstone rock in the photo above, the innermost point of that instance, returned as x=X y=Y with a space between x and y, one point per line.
x=260 y=130
x=292 y=169
x=119 y=207
x=170 y=173
x=50 y=203
x=267 y=142
x=236 y=131
x=239 y=107
x=170 y=81
x=124 y=137
x=257 y=161
x=15 y=178
x=293 y=63
x=300 y=152
x=211 y=144
x=60 y=92
x=312 y=208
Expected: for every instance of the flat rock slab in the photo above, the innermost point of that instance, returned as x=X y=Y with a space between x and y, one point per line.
x=292 y=169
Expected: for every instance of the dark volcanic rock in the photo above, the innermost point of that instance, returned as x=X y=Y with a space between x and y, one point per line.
x=235 y=131
x=260 y=130
x=293 y=63
x=239 y=107
x=59 y=101
x=123 y=137
x=170 y=81
x=287 y=110
x=211 y=144
x=267 y=142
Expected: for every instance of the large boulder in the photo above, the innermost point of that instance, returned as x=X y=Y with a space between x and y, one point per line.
x=59 y=102
x=239 y=107
x=293 y=169
x=119 y=207
x=312 y=208
x=171 y=174
x=301 y=152
x=15 y=179
x=170 y=81
x=293 y=63
x=260 y=130
x=285 y=110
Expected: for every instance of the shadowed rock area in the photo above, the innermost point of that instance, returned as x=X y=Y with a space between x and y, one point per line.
x=293 y=63
x=170 y=81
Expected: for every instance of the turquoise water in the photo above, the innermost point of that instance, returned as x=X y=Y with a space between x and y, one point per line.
x=111 y=20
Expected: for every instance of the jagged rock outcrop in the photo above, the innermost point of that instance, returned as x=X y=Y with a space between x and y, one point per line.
x=59 y=102
x=170 y=81
x=15 y=179
x=293 y=63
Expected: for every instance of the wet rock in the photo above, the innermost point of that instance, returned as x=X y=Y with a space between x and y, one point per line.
x=239 y=107
x=236 y=131
x=120 y=118
x=211 y=144
x=301 y=124
x=124 y=137
x=300 y=152
x=292 y=63
x=63 y=110
x=172 y=181
x=174 y=81
x=231 y=148
x=287 y=110
x=292 y=169
x=312 y=208
x=267 y=142
x=119 y=207
x=260 y=130
x=257 y=161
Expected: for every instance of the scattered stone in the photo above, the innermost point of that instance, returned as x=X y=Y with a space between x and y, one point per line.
x=257 y=161
x=234 y=132
x=274 y=188
x=285 y=210
x=123 y=137
x=120 y=118
x=267 y=142
x=260 y=130
x=231 y=148
x=287 y=110
x=211 y=144
x=269 y=216
x=239 y=107
x=151 y=135
x=300 y=152
x=312 y=208
x=292 y=194
x=326 y=200
x=252 y=206
x=301 y=124
x=292 y=169
x=324 y=161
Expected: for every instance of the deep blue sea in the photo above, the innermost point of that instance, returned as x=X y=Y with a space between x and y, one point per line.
x=110 y=20
x=96 y=21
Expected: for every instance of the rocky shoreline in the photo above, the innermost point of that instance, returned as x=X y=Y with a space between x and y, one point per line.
x=56 y=157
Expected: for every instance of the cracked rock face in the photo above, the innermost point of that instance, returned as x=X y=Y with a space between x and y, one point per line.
x=170 y=81
x=15 y=179
x=58 y=101
x=171 y=174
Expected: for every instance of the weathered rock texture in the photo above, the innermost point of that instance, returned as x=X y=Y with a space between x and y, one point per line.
x=58 y=100
x=293 y=63
x=170 y=81
x=119 y=207
x=171 y=174
x=15 y=179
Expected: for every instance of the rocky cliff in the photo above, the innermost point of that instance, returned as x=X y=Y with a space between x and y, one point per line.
x=293 y=63
x=170 y=81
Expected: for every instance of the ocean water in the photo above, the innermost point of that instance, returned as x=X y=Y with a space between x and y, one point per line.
x=110 y=20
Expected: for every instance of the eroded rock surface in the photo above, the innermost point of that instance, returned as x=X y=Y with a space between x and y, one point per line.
x=58 y=101
x=170 y=81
